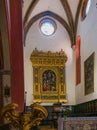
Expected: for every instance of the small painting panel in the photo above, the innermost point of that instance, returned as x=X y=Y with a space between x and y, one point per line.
x=49 y=80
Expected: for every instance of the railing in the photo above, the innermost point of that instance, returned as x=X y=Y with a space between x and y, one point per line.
x=85 y=109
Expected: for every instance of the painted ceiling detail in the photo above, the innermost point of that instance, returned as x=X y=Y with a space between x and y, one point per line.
x=70 y=25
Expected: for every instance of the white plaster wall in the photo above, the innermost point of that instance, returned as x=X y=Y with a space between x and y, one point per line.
x=70 y=81
x=88 y=33
x=28 y=76
x=60 y=40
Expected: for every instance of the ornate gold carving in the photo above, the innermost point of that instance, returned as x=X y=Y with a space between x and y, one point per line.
x=25 y=121
x=46 y=64
x=49 y=58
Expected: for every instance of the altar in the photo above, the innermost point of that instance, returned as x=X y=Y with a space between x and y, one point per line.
x=48 y=76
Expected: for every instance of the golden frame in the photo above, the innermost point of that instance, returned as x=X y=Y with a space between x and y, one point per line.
x=45 y=63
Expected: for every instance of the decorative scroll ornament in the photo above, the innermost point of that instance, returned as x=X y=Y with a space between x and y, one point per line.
x=24 y=120
x=40 y=58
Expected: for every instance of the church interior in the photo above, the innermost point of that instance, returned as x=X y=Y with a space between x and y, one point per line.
x=48 y=61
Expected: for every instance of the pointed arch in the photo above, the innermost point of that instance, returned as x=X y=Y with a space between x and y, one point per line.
x=51 y=14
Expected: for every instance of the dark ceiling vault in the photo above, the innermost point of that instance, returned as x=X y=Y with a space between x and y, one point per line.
x=70 y=26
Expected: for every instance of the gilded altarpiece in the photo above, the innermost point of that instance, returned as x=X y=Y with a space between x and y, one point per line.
x=49 y=76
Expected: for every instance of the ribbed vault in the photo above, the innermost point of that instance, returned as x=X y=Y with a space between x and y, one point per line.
x=70 y=25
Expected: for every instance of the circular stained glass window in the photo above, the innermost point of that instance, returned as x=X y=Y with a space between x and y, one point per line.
x=47 y=26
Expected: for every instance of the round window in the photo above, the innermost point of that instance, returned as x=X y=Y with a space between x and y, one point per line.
x=47 y=26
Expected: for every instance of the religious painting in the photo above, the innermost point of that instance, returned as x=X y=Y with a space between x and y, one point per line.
x=89 y=74
x=49 y=81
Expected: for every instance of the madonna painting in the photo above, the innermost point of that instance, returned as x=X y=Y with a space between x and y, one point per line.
x=49 y=81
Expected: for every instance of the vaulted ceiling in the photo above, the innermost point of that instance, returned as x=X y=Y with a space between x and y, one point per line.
x=66 y=14
x=60 y=10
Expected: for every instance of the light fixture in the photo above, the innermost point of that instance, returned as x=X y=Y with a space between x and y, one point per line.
x=48 y=26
